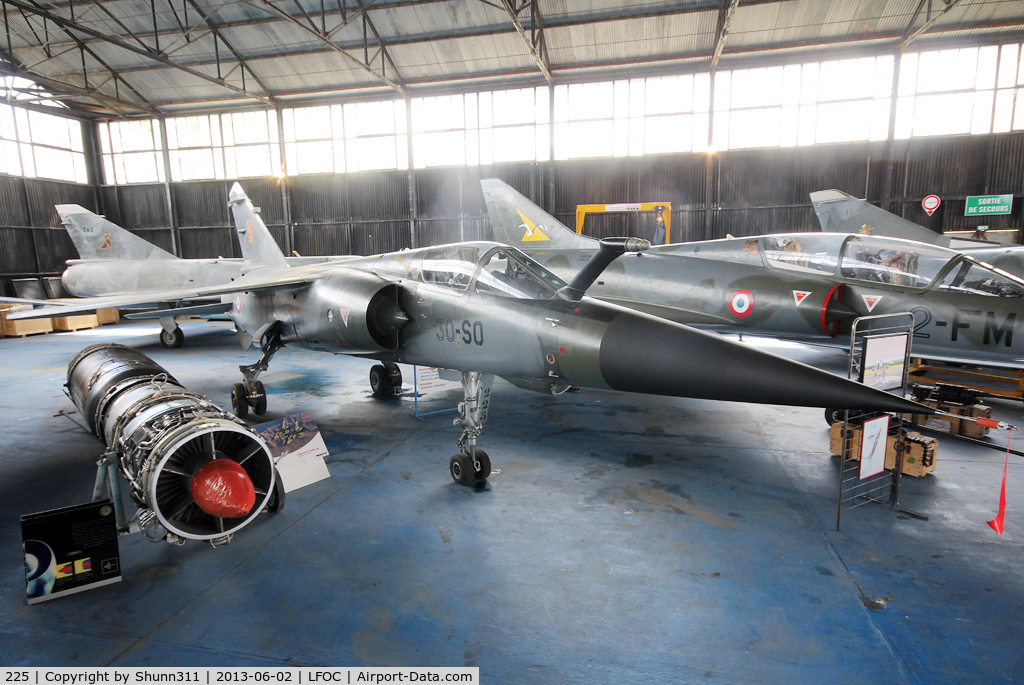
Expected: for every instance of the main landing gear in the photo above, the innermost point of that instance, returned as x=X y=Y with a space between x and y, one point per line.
x=385 y=379
x=170 y=335
x=251 y=394
x=472 y=465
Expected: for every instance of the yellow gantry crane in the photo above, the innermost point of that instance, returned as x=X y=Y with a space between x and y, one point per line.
x=662 y=211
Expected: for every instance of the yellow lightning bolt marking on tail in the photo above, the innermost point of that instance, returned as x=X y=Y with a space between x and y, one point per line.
x=532 y=234
x=248 y=230
x=107 y=244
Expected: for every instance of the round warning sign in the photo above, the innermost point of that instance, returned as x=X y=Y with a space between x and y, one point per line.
x=741 y=303
x=931 y=203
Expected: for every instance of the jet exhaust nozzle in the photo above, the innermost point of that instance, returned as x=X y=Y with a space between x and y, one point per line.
x=196 y=471
x=610 y=250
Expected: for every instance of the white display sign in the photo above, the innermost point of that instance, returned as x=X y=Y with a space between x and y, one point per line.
x=298 y=450
x=872 y=446
x=429 y=378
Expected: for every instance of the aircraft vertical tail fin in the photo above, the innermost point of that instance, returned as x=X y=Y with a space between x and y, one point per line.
x=96 y=238
x=258 y=245
x=839 y=212
x=518 y=222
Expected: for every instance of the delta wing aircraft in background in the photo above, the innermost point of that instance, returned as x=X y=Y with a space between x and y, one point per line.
x=114 y=261
x=802 y=286
x=485 y=309
x=839 y=212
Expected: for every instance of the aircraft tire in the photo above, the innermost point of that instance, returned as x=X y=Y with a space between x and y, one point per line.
x=461 y=469
x=276 y=501
x=833 y=416
x=380 y=380
x=259 y=405
x=239 y=400
x=394 y=377
x=485 y=465
x=172 y=339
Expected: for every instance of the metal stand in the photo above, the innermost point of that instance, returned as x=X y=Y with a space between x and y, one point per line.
x=109 y=487
x=881 y=488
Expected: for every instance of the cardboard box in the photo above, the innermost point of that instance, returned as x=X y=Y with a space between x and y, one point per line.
x=22 y=328
x=919 y=452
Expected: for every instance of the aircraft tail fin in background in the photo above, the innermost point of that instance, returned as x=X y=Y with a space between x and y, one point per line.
x=96 y=238
x=258 y=245
x=518 y=222
x=839 y=212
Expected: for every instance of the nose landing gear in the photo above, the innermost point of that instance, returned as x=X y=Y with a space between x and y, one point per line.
x=251 y=394
x=472 y=465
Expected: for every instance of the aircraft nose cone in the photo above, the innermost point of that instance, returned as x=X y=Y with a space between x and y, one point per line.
x=684 y=362
x=222 y=488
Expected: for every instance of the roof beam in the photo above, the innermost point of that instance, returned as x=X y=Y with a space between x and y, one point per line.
x=8 y=67
x=380 y=41
x=148 y=53
x=949 y=4
x=267 y=4
x=724 y=21
x=241 y=61
x=535 y=53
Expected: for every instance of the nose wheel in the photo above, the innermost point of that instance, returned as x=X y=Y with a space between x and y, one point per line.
x=467 y=471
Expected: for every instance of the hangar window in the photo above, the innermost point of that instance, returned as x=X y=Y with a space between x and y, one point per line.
x=894 y=262
x=40 y=145
x=634 y=117
x=223 y=146
x=803 y=104
x=132 y=151
x=363 y=136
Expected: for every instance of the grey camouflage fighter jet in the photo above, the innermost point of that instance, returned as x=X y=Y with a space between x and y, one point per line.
x=485 y=310
x=801 y=286
x=114 y=261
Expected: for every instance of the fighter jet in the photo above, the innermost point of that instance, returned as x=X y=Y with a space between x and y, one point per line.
x=486 y=309
x=801 y=286
x=839 y=212
x=114 y=261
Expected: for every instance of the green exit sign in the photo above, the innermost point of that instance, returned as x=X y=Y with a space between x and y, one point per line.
x=988 y=204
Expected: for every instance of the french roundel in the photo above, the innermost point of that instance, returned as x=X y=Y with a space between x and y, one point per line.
x=741 y=303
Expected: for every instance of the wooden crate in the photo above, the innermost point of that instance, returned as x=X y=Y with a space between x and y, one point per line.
x=919 y=453
x=19 y=329
x=968 y=429
x=108 y=315
x=76 y=322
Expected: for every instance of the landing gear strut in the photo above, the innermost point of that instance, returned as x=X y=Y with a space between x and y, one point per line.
x=251 y=393
x=472 y=464
x=170 y=335
x=385 y=379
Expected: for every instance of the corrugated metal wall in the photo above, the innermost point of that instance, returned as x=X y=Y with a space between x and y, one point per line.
x=738 y=192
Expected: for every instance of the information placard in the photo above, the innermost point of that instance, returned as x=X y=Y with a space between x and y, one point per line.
x=70 y=550
x=298 y=449
x=872 y=447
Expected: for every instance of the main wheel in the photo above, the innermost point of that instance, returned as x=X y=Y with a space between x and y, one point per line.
x=485 y=465
x=461 y=469
x=394 y=376
x=380 y=380
x=239 y=400
x=259 y=405
x=833 y=416
x=172 y=339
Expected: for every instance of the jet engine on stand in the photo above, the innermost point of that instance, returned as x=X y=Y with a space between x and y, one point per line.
x=195 y=471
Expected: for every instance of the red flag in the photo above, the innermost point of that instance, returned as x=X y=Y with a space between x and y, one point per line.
x=997 y=522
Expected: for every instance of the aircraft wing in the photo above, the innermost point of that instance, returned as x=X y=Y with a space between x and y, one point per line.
x=26 y=300
x=268 y=279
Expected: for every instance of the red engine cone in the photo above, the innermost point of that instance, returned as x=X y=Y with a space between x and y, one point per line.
x=223 y=488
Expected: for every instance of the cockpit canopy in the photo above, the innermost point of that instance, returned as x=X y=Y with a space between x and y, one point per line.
x=489 y=267
x=872 y=259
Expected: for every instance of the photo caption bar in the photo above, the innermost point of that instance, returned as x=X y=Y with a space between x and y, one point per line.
x=249 y=675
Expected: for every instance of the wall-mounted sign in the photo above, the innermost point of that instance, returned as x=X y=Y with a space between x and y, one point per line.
x=931 y=203
x=988 y=204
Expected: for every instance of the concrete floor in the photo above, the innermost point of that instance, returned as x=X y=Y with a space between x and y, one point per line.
x=625 y=539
